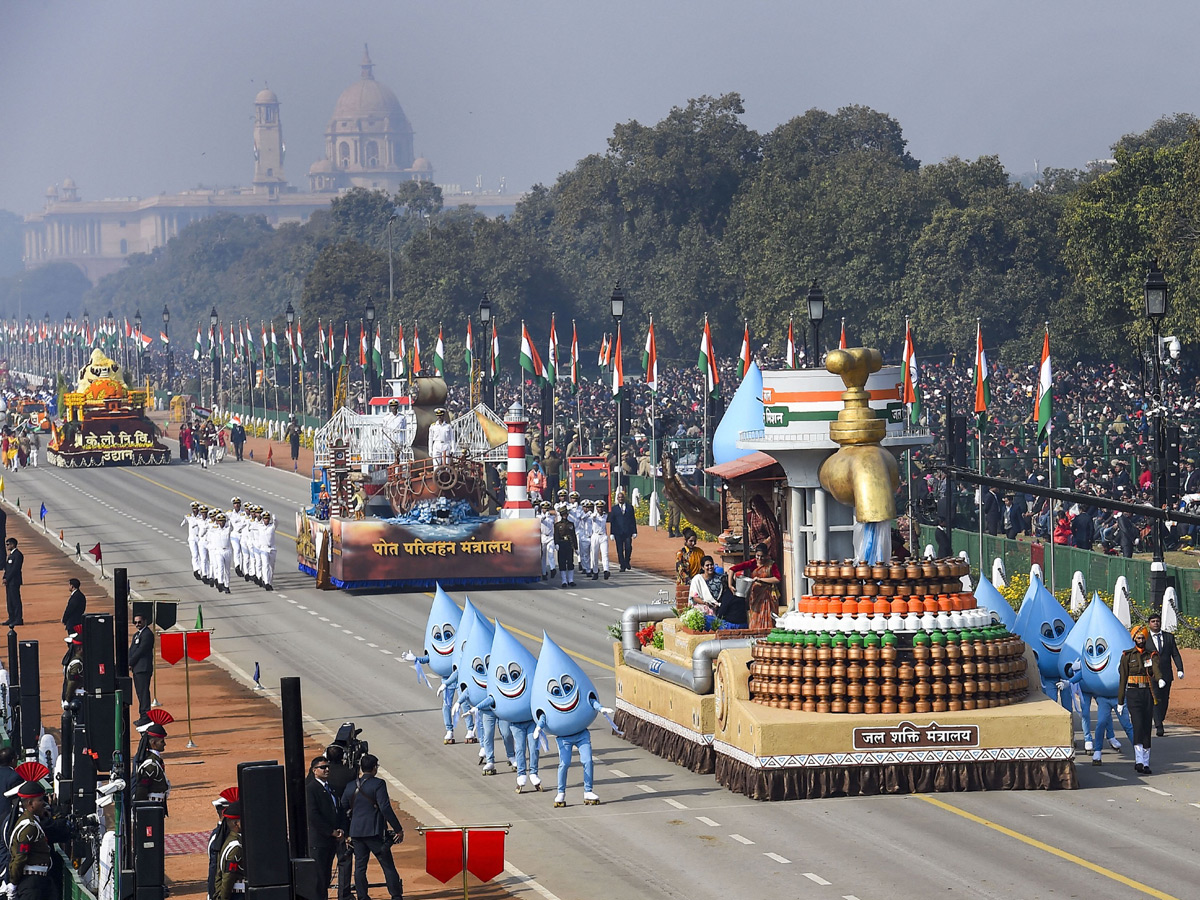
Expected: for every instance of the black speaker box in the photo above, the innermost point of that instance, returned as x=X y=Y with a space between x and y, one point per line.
x=264 y=825
x=100 y=718
x=99 y=667
x=31 y=695
x=148 y=845
x=269 y=892
x=306 y=880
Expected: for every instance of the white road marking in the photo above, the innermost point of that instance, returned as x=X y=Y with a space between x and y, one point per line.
x=385 y=650
x=357 y=637
x=672 y=802
x=600 y=603
x=741 y=840
x=373 y=646
x=647 y=789
x=293 y=602
x=777 y=858
x=707 y=821
x=1197 y=805
x=812 y=876
x=1154 y=790
x=347 y=631
x=619 y=773
x=589 y=599
x=301 y=606
x=312 y=612
x=849 y=897
x=1112 y=776
x=324 y=618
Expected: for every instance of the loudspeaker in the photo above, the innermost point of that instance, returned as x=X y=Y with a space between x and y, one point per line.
x=306 y=880
x=83 y=782
x=269 y=892
x=148 y=849
x=100 y=720
x=264 y=825
x=99 y=667
x=31 y=695
x=958 y=441
x=120 y=586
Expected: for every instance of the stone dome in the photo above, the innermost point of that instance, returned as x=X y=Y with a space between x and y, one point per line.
x=421 y=164
x=321 y=165
x=68 y=183
x=368 y=98
x=266 y=95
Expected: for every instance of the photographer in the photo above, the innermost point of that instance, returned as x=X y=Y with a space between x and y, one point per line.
x=366 y=802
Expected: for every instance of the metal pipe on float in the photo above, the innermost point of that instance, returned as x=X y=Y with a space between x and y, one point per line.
x=700 y=679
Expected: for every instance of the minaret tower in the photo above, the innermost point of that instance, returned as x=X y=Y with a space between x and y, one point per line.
x=268 y=145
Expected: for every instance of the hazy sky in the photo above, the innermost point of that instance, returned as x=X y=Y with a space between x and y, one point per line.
x=136 y=98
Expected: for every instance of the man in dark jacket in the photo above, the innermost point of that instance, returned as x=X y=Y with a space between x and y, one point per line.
x=941 y=538
x=623 y=527
x=993 y=517
x=76 y=607
x=366 y=802
x=326 y=820
x=1170 y=664
x=237 y=437
x=12 y=582
x=341 y=775
x=141 y=666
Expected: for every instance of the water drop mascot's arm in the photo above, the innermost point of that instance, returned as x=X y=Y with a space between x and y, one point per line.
x=1043 y=624
x=473 y=677
x=1095 y=645
x=510 y=685
x=1139 y=671
x=564 y=703
x=441 y=631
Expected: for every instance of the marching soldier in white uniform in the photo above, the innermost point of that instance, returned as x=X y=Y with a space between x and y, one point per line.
x=599 y=540
x=267 y=548
x=220 y=551
x=584 y=525
x=202 y=540
x=235 y=517
x=546 y=521
x=192 y=521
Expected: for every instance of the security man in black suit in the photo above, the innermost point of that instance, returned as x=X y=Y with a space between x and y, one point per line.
x=341 y=775
x=623 y=527
x=141 y=666
x=76 y=607
x=1169 y=662
x=326 y=820
x=12 y=582
x=366 y=802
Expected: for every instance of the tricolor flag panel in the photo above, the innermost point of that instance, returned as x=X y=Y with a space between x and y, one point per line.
x=495 y=351
x=291 y=342
x=1044 y=409
x=469 y=355
x=552 y=354
x=912 y=379
x=743 y=363
x=274 y=347
x=574 y=358
x=842 y=341
x=618 y=371
x=377 y=352
x=402 y=352
x=708 y=363
x=529 y=360
x=346 y=344
x=790 y=350
x=362 y=345
x=650 y=359
x=199 y=348
x=416 y=364
x=983 y=388
x=439 y=355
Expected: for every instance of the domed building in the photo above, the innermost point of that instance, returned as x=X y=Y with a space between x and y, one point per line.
x=369 y=141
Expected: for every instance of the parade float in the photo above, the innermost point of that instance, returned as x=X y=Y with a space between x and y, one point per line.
x=883 y=675
x=397 y=517
x=104 y=422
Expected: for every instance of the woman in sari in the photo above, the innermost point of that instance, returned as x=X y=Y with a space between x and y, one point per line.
x=764 y=587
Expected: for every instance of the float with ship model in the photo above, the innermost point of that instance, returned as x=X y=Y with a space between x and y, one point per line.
x=104 y=422
x=389 y=513
x=883 y=675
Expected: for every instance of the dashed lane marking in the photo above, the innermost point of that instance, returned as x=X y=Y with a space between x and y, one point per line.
x=705 y=820
x=1154 y=790
x=1112 y=776
x=647 y=789
x=618 y=773
x=779 y=859
x=672 y=802
x=812 y=876
x=741 y=840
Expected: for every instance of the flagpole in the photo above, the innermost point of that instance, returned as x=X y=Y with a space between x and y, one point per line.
x=1050 y=482
x=187 y=686
x=653 y=447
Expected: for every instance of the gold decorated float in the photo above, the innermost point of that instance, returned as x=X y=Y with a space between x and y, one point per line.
x=104 y=422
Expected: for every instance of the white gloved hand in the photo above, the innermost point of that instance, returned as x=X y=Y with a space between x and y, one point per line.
x=537 y=732
x=633 y=537
x=1120 y=708
x=408 y=656
x=454 y=709
x=1162 y=682
x=1179 y=675
x=474 y=710
x=65 y=704
x=606 y=710
x=1060 y=685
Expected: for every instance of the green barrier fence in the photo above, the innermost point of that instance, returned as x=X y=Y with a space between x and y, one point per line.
x=1100 y=571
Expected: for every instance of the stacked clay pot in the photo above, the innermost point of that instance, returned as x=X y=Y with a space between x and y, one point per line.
x=927 y=672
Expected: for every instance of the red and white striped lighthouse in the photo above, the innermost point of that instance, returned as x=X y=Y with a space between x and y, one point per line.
x=516 y=494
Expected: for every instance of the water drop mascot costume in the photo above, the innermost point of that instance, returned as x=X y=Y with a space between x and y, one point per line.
x=1043 y=624
x=564 y=703
x=1094 y=647
x=442 y=633
x=510 y=685
x=473 y=681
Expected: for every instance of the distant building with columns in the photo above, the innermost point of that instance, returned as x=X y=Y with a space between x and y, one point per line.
x=368 y=144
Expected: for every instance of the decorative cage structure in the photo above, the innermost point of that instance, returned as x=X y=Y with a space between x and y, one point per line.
x=368 y=439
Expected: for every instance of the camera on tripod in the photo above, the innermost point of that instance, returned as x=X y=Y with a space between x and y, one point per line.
x=353 y=748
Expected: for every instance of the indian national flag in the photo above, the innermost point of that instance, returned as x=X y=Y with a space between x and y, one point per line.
x=708 y=362
x=320 y=344
x=274 y=346
x=416 y=365
x=842 y=342
x=574 y=358
x=530 y=361
x=912 y=381
x=301 y=356
x=650 y=359
x=291 y=342
x=439 y=355
x=1044 y=400
x=495 y=351
x=552 y=354
x=199 y=348
x=469 y=355
x=790 y=350
x=618 y=372
x=743 y=364
x=602 y=360
x=363 y=355
x=346 y=344
x=402 y=352
x=983 y=390
x=377 y=352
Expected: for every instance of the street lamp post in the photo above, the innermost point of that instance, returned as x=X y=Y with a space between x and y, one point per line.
x=617 y=303
x=68 y=342
x=290 y=313
x=170 y=371
x=216 y=362
x=369 y=372
x=137 y=327
x=1155 y=290
x=485 y=319
x=51 y=362
x=816 y=312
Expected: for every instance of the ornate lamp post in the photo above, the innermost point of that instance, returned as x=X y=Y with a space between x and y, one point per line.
x=369 y=373
x=485 y=319
x=68 y=343
x=617 y=304
x=290 y=313
x=816 y=312
x=137 y=326
x=166 y=314
x=51 y=361
x=1155 y=290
